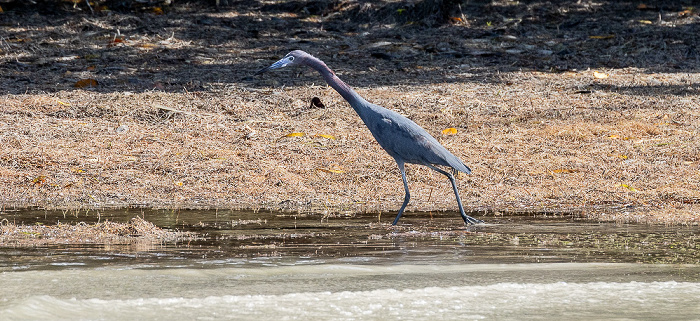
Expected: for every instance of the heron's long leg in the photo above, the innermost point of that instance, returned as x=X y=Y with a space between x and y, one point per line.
x=467 y=219
x=405 y=187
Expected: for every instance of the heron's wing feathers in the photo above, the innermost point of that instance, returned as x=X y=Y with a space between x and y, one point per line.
x=404 y=139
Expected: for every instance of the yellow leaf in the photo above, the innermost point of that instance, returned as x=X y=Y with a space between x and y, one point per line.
x=600 y=75
x=449 y=131
x=565 y=171
x=39 y=180
x=602 y=37
x=85 y=83
x=632 y=189
x=157 y=10
x=295 y=135
x=326 y=136
x=335 y=171
x=646 y=22
x=62 y=103
x=622 y=156
x=613 y=137
x=178 y=183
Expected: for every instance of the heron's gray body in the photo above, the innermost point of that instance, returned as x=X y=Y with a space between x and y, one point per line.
x=403 y=139
x=399 y=136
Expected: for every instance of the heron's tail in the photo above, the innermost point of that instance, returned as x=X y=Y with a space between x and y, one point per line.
x=460 y=167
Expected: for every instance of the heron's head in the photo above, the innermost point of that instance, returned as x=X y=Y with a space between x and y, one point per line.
x=293 y=58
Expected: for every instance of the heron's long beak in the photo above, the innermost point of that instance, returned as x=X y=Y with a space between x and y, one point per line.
x=279 y=64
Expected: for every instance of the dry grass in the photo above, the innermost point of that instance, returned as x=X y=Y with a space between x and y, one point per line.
x=623 y=147
x=137 y=232
x=564 y=151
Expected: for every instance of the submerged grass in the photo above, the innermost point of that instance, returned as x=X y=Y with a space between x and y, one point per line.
x=136 y=232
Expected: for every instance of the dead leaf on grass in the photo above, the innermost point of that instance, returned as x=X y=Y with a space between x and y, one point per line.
x=565 y=171
x=632 y=189
x=117 y=40
x=602 y=37
x=334 y=171
x=316 y=102
x=82 y=83
x=646 y=22
x=600 y=75
x=41 y=179
x=295 y=135
x=449 y=131
x=325 y=136
x=147 y=46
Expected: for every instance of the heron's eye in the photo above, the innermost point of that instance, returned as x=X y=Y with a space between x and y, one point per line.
x=291 y=58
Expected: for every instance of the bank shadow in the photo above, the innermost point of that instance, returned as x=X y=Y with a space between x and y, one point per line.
x=195 y=47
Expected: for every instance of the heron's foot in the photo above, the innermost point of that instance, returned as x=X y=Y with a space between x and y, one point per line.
x=472 y=221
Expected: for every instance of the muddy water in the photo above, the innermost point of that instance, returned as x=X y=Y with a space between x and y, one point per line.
x=253 y=266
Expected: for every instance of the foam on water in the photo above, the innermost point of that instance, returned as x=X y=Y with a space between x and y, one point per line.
x=356 y=292
x=503 y=301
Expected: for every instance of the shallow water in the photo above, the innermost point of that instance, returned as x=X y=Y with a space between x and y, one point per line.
x=293 y=266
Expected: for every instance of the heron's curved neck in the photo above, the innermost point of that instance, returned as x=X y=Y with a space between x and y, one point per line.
x=342 y=88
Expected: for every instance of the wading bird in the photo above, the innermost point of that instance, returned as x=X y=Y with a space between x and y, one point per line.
x=403 y=139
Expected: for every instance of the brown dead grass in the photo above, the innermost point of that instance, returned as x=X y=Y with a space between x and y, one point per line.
x=622 y=148
x=522 y=156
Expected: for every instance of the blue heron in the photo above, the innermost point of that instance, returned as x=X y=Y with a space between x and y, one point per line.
x=403 y=139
